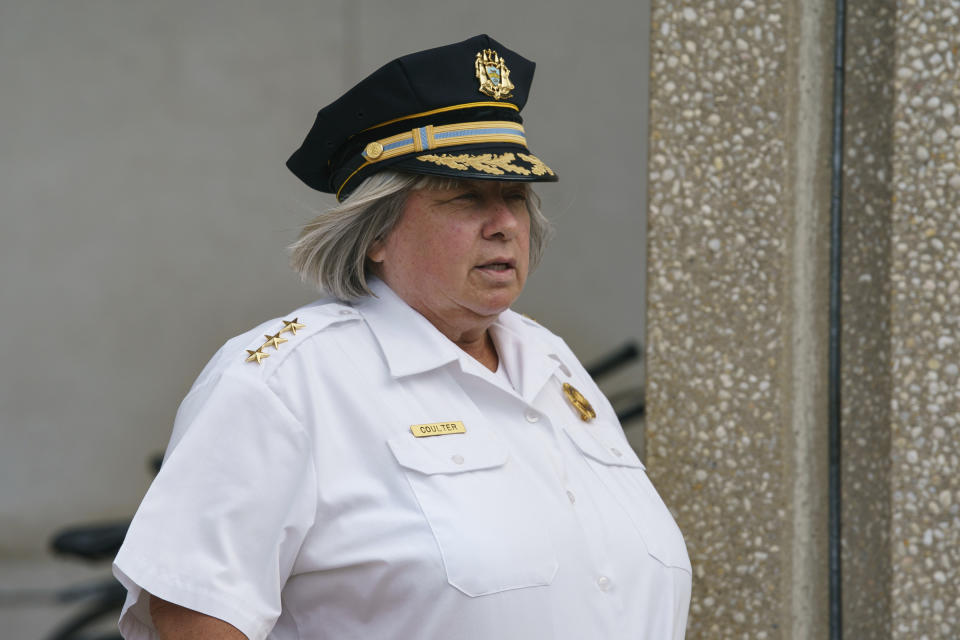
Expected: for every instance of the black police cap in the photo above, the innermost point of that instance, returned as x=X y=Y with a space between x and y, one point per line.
x=449 y=111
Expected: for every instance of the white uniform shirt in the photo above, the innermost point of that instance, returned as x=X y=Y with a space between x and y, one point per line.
x=295 y=502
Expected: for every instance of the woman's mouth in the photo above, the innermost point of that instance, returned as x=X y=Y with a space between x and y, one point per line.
x=498 y=268
x=498 y=264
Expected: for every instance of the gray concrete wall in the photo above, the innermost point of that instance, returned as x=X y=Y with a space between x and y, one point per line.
x=146 y=208
x=146 y=205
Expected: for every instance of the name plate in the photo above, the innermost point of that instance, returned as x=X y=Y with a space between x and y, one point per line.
x=437 y=429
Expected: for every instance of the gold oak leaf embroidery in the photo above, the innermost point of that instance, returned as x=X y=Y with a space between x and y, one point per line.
x=537 y=165
x=487 y=162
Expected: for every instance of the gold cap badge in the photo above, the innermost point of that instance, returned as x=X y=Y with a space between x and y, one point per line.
x=578 y=402
x=493 y=75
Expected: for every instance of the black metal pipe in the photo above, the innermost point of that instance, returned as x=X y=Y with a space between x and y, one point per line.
x=612 y=361
x=836 y=211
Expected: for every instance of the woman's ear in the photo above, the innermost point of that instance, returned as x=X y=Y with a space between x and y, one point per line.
x=377 y=251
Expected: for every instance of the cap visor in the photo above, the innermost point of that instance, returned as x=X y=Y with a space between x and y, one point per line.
x=510 y=165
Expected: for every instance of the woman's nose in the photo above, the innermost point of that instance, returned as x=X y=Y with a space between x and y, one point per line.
x=502 y=220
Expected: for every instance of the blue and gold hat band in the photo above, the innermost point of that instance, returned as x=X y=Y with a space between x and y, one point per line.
x=432 y=137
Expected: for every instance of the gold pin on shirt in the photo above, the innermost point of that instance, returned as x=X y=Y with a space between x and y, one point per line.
x=257 y=356
x=291 y=326
x=581 y=404
x=274 y=341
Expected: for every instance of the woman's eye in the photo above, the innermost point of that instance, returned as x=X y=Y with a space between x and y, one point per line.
x=467 y=197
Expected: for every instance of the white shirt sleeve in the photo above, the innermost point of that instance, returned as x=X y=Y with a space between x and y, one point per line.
x=221 y=526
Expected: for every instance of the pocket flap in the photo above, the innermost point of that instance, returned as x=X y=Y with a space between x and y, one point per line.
x=619 y=454
x=626 y=479
x=454 y=453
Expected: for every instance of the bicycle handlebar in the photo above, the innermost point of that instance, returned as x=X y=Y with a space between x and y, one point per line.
x=91 y=542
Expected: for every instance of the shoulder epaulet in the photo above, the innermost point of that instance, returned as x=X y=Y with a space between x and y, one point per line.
x=282 y=336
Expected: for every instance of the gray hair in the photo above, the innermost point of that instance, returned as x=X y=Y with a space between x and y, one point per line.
x=331 y=251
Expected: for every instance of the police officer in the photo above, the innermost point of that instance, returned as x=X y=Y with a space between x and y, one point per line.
x=407 y=458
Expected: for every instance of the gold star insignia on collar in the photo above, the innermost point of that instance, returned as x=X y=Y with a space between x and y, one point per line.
x=581 y=404
x=273 y=341
x=257 y=355
x=291 y=326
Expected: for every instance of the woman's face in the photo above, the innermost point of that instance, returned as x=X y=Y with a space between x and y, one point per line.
x=461 y=254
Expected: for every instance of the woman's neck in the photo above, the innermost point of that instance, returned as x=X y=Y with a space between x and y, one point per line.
x=482 y=349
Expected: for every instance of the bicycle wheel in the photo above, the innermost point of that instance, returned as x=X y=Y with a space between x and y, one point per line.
x=81 y=625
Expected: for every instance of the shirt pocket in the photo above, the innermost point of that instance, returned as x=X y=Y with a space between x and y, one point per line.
x=621 y=471
x=481 y=509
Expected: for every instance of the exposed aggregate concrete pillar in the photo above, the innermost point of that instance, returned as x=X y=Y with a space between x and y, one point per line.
x=925 y=323
x=737 y=322
x=737 y=311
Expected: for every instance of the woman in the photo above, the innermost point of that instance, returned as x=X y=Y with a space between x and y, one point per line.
x=407 y=458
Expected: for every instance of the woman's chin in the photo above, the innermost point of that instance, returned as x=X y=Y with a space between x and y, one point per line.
x=494 y=305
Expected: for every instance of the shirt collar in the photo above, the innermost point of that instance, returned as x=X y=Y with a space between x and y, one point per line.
x=529 y=361
x=411 y=344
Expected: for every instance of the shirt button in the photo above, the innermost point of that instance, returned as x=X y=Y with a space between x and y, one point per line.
x=604 y=583
x=346 y=312
x=617 y=452
x=532 y=416
x=457 y=459
x=571 y=497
